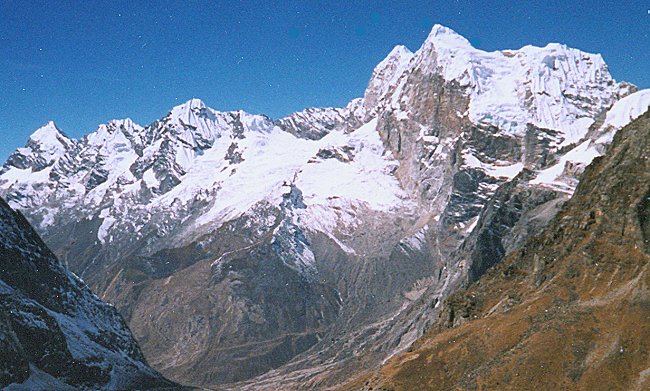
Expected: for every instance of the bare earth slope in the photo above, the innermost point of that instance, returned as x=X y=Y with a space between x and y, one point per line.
x=570 y=310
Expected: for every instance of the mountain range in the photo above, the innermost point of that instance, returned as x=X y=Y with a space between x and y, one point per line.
x=251 y=253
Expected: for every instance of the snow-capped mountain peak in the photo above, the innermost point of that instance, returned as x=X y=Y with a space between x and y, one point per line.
x=126 y=124
x=197 y=124
x=49 y=141
x=48 y=134
x=551 y=87
x=399 y=54
x=124 y=128
x=44 y=147
x=187 y=112
x=442 y=36
x=386 y=75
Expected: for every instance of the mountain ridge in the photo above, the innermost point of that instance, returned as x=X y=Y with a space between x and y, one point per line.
x=56 y=334
x=383 y=195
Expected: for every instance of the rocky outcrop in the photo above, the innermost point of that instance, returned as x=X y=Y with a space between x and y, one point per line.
x=54 y=333
x=516 y=212
x=316 y=123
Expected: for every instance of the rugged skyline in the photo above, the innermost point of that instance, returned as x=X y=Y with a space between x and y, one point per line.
x=83 y=64
x=299 y=251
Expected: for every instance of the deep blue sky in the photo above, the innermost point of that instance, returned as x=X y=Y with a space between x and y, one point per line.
x=82 y=63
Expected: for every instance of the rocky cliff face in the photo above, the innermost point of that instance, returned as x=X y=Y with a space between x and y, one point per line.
x=305 y=248
x=567 y=310
x=54 y=333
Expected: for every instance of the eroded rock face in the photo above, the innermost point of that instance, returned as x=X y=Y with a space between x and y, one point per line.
x=54 y=333
x=515 y=213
